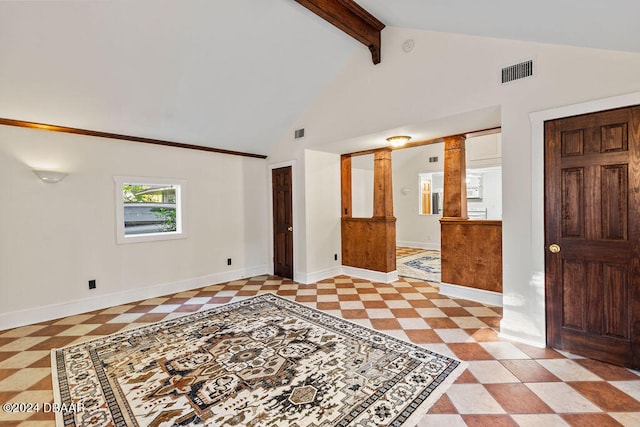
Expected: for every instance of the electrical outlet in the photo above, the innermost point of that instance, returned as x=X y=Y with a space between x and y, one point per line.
x=92 y=284
x=228 y=261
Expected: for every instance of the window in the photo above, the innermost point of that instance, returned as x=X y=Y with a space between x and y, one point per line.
x=149 y=209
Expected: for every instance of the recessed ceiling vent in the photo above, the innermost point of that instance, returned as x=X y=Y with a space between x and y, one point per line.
x=517 y=71
x=299 y=133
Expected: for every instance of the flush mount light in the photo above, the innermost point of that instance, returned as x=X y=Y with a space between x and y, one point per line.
x=50 y=177
x=398 y=141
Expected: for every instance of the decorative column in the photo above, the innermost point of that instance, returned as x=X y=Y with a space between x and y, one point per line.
x=455 y=176
x=382 y=187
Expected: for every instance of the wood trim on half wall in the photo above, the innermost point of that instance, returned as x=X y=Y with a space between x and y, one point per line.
x=87 y=132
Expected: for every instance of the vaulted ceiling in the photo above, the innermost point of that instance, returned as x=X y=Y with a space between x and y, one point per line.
x=234 y=74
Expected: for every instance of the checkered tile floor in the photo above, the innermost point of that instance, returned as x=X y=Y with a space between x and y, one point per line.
x=507 y=384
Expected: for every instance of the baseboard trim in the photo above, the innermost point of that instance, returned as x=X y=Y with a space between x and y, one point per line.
x=464 y=292
x=516 y=338
x=45 y=313
x=513 y=328
x=374 y=276
x=420 y=245
x=316 y=276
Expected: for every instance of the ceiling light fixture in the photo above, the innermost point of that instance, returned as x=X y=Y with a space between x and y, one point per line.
x=50 y=177
x=398 y=141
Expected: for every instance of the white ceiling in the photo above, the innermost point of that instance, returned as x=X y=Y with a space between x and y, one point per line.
x=611 y=24
x=235 y=74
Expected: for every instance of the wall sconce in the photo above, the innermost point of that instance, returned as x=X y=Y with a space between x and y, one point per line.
x=50 y=177
x=398 y=141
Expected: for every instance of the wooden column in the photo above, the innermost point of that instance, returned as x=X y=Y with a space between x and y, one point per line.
x=382 y=188
x=345 y=182
x=455 y=176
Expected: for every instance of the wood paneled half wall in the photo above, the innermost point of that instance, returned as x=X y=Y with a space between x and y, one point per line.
x=471 y=253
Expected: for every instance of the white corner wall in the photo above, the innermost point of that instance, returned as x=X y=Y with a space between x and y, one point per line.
x=322 y=212
x=56 y=237
x=447 y=75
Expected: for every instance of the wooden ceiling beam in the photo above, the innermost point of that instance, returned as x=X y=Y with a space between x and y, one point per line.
x=88 y=132
x=351 y=18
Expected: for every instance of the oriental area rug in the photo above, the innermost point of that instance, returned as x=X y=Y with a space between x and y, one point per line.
x=424 y=265
x=262 y=361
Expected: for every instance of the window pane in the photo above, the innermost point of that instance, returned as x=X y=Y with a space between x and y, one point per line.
x=149 y=208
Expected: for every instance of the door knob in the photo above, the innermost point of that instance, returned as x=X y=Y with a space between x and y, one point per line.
x=290 y=228
x=554 y=248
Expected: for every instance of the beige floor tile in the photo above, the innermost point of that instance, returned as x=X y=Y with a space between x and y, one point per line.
x=627 y=419
x=430 y=312
x=79 y=330
x=441 y=420
x=398 y=304
x=346 y=291
x=117 y=309
x=482 y=312
x=22 y=331
x=165 y=308
x=188 y=294
x=328 y=298
x=445 y=302
x=414 y=296
x=74 y=320
x=23 y=359
x=491 y=372
x=413 y=323
x=632 y=388
x=504 y=350
x=126 y=318
x=473 y=399
x=562 y=398
x=21 y=344
x=568 y=370
x=351 y=305
x=539 y=420
x=24 y=379
x=469 y=322
x=379 y=313
x=453 y=335
x=371 y=297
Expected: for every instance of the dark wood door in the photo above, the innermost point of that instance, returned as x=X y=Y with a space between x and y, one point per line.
x=282 y=222
x=592 y=214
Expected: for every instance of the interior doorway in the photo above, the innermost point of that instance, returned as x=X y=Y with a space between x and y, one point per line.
x=281 y=179
x=592 y=235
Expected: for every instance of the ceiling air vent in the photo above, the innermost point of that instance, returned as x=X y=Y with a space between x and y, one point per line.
x=517 y=71
x=299 y=133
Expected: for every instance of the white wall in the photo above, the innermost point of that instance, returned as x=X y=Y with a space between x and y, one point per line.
x=361 y=192
x=323 y=231
x=412 y=229
x=446 y=75
x=55 y=237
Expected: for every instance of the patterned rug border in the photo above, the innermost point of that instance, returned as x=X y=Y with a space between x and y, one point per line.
x=407 y=271
x=419 y=412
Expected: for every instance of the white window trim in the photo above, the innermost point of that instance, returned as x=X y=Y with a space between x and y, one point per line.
x=181 y=210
